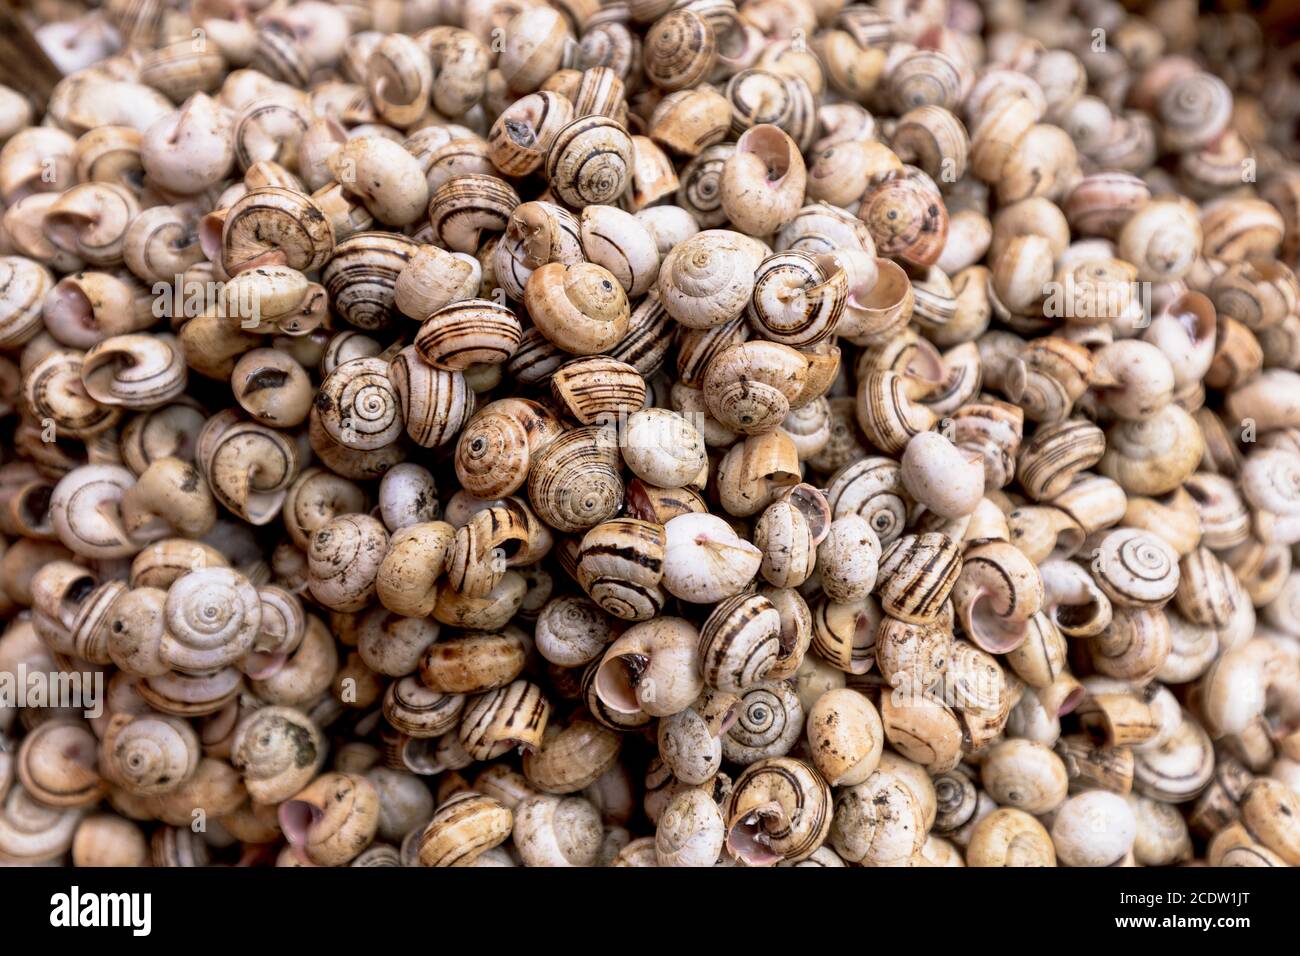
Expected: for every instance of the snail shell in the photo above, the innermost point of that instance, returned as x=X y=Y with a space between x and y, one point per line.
x=358 y=405
x=768 y=721
x=1136 y=569
x=620 y=564
x=918 y=573
x=249 y=467
x=434 y=402
x=278 y=750
x=574 y=481
x=504 y=718
x=798 y=299
x=580 y=308
x=213 y=616
x=590 y=161
x=680 y=50
x=463 y=828
x=469 y=332
x=148 y=754
x=779 y=809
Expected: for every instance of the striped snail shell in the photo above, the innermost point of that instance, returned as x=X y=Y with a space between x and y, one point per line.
x=798 y=299
x=621 y=243
x=620 y=565
x=493 y=453
x=465 y=207
x=872 y=488
x=779 y=810
x=760 y=96
x=997 y=592
x=420 y=712
x=85 y=511
x=474 y=331
x=820 y=229
x=463 y=828
x=135 y=371
x=750 y=387
x=844 y=634
x=994 y=430
x=24 y=284
x=494 y=539
x=925 y=78
x=919 y=572
x=362 y=275
x=522 y=135
x=275 y=226
x=248 y=466
x=1135 y=568
x=598 y=389
x=785 y=536
x=1136 y=645
x=399 y=78
x=768 y=721
x=502 y=719
x=359 y=406
x=740 y=642
x=574 y=481
x=435 y=403
x=538 y=233
x=907 y=219
x=934 y=139
x=1179 y=769
x=700 y=189
x=648 y=338
x=888 y=416
x=590 y=161
x=54 y=390
x=1057 y=452
x=680 y=50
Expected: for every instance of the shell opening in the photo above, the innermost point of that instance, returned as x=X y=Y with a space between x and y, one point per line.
x=297 y=817
x=747 y=840
x=617 y=681
x=992 y=632
x=68 y=303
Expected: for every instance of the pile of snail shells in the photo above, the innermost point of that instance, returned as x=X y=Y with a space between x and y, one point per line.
x=661 y=432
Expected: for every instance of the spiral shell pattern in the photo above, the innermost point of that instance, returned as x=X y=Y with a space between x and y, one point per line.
x=213 y=616
x=680 y=50
x=872 y=488
x=769 y=719
x=798 y=299
x=358 y=405
x=435 y=403
x=1136 y=569
x=574 y=482
x=362 y=275
x=590 y=161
